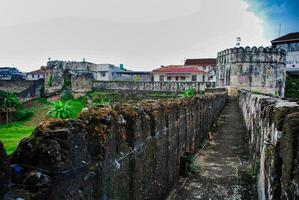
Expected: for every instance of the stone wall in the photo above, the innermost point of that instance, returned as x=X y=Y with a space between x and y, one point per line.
x=258 y=69
x=151 y=86
x=24 y=89
x=132 y=151
x=273 y=125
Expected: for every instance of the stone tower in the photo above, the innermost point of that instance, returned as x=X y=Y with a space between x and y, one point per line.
x=260 y=70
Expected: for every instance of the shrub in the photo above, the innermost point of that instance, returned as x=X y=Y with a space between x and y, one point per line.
x=188 y=93
x=100 y=99
x=61 y=109
x=9 y=100
x=50 y=81
x=22 y=114
x=66 y=84
x=67 y=95
x=292 y=87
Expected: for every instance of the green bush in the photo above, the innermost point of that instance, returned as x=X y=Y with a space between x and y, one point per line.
x=66 y=84
x=67 y=95
x=61 y=109
x=99 y=98
x=50 y=81
x=292 y=87
x=22 y=115
x=188 y=93
x=9 y=100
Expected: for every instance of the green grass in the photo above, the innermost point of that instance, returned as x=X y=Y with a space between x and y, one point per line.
x=12 y=133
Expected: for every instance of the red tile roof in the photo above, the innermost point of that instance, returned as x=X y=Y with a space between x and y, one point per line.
x=287 y=38
x=201 y=61
x=180 y=69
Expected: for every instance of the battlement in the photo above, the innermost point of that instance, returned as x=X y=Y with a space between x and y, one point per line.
x=251 y=54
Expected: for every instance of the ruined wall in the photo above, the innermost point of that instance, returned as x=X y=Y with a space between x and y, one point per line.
x=58 y=72
x=258 y=69
x=150 y=86
x=273 y=125
x=24 y=89
x=132 y=151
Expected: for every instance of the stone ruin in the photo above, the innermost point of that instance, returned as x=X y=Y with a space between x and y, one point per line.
x=130 y=151
x=76 y=76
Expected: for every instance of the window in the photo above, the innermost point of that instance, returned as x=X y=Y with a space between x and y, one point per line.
x=177 y=78
x=38 y=76
x=194 y=77
x=183 y=78
x=204 y=67
x=168 y=78
x=161 y=78
x=102 y=74
x=203 y=78
x=32 y=75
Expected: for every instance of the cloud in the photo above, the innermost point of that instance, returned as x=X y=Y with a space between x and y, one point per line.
x=143 y=35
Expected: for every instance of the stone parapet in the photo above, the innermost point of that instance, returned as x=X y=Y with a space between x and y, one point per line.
x=273 y=125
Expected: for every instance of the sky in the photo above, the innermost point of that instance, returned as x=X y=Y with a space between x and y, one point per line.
x=141 y=34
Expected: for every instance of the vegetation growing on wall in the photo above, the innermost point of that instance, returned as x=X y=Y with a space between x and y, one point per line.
x=292 y=87
x=188 y=93
x=50 y=81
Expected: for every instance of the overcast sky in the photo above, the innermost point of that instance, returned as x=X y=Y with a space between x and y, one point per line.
x=141 y=34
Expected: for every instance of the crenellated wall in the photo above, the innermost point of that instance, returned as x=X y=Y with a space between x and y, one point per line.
x=273 y=125
x=257 y=69
x=130 y=151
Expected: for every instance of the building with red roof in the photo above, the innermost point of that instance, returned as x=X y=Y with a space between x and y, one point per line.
x=180 y=73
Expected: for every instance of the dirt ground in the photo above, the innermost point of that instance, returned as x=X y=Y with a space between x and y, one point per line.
x=224 y=163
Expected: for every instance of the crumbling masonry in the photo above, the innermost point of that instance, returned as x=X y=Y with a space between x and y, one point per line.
x=132 y=151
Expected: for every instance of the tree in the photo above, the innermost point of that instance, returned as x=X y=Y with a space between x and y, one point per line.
x=9 y=102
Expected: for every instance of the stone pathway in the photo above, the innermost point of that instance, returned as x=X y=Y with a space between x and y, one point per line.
x=224 y=163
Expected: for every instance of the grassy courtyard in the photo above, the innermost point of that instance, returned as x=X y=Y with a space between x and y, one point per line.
x=12 y=133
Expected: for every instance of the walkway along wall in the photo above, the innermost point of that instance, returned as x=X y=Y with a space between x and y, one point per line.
x=132 y=151
x=274 y=128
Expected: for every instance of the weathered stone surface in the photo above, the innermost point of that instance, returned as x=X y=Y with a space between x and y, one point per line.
x=150 y=86
x=289 y=152
x=5 y=175
x=258 y=69
x=273 y=127
x=130 y=151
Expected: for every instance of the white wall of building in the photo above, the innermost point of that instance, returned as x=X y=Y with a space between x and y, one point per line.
x=200 y=77
x=32 y=77
x=292 y=61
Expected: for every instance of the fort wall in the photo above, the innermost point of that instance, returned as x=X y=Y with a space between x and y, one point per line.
x=273 y=125
x=133 y=151
x=257 y=69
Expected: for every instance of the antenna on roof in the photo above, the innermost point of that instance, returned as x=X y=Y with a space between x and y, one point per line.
x=238 y=41
x=279 y=30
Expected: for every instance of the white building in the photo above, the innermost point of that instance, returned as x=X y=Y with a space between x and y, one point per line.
x=290 y=43
x=180 y=73
x=206 y=64
x=36 y=74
